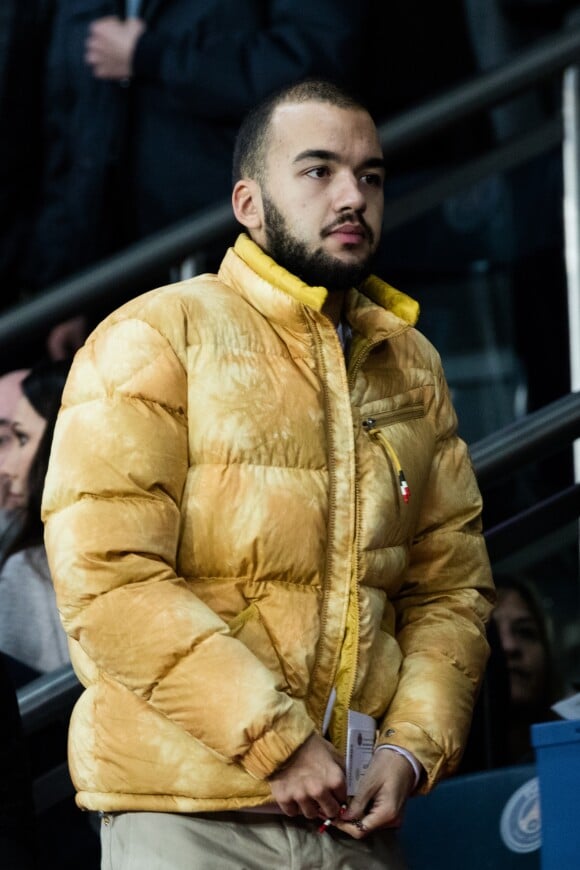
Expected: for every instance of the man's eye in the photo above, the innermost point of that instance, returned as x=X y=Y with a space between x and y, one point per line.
x=373 y=178
x=318 y=172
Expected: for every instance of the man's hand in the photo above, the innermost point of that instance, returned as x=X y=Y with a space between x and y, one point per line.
x=110 y=46
x=312 y=783
x=381 y=797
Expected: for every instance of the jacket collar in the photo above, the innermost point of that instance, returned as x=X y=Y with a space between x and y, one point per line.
x=392 y=300
x=270 y=271
x=372 y=292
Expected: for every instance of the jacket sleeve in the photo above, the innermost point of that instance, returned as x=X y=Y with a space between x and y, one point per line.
x=221 y=73
x=114 y=488
x=441 y=609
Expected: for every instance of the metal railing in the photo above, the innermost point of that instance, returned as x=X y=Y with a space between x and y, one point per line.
x=47 y=697
x=531 y=438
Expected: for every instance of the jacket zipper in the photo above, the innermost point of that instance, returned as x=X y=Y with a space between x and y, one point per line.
x=357 y=361
x=354 y=597
x=331 y=507
x=353 y=370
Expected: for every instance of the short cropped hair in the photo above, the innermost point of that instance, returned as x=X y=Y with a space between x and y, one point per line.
x=252 y=138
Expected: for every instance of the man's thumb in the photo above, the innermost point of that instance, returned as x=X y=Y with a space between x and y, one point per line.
x=355 y=809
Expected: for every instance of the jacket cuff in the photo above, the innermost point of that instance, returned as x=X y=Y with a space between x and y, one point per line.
x=417 y=769
x=432 y=757
x=270 y=751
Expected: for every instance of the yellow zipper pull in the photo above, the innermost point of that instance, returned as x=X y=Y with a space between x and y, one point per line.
x=369 y=425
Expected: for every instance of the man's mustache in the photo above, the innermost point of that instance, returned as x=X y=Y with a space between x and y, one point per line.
x=349 y=218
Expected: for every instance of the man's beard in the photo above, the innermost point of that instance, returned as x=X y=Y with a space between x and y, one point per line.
x=316 y=268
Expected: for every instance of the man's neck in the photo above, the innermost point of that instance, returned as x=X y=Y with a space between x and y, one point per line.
x=334 y=305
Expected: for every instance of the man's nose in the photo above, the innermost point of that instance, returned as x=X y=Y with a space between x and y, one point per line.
x=348 y=193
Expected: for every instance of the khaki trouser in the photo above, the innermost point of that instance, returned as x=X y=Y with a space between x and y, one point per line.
x=238 y=841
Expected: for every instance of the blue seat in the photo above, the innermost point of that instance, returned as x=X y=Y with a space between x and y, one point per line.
x=476 y=821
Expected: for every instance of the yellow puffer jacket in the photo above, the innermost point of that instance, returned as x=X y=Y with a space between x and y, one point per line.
x=229 y=539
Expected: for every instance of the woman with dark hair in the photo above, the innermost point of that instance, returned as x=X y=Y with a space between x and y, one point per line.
x=33 y=639
x=30 y=630
x=524 y=636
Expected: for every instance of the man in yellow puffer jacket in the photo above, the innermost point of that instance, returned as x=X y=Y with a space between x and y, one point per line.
x=261 y=522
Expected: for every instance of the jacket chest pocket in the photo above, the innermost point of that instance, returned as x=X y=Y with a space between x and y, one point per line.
x=397 y=445
x=377 y=425
x=381 y=419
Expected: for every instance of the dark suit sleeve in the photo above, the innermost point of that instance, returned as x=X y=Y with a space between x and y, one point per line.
x=219 y=73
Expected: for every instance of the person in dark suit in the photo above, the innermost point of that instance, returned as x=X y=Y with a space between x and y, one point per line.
x=143 y=110
x=24 y=29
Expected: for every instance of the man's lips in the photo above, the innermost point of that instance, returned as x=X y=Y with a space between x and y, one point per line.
x=349 y=233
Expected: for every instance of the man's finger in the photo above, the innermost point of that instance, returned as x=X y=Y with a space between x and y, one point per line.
x=309 y=808
x=358 y=804
x=355 y=829
x=329 y=806
x=289 y=808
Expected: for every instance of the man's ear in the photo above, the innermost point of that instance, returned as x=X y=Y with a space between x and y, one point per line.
x=247 y=204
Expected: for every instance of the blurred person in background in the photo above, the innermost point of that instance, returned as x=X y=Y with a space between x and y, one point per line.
x=143 y=102
x=524 y=636
x=32 y=640
x=30 y=629
x=24 y=36
x=499 y=30
x=532 y=242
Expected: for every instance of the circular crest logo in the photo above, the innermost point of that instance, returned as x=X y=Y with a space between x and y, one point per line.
x=521 y=824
